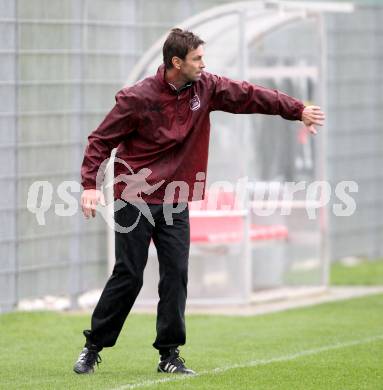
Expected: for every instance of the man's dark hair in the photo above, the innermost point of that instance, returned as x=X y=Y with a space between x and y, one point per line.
x=178 y=44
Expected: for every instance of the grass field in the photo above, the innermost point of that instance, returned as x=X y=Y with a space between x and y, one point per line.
x=330 y=346
x=363 y=273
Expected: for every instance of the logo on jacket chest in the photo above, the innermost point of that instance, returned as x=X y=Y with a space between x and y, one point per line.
x=195 y=103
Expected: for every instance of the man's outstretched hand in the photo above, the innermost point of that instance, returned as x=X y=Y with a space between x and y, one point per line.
x=312 y=115
x=89 y=200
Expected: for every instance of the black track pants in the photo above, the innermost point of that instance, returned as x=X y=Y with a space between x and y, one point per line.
x=120 y=292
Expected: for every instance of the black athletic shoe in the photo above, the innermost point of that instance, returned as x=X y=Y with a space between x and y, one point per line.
x=174 y=364
x=86 y=361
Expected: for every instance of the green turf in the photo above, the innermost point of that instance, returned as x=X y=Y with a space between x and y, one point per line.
x=366 y=273
x=37 y=350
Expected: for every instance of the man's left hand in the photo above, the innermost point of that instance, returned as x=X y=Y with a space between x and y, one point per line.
x=312 y=115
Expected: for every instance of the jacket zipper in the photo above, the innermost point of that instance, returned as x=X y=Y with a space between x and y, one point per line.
x=177 y=113
x=177 y=107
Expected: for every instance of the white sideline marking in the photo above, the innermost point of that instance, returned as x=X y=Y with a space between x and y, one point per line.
x=252 y=363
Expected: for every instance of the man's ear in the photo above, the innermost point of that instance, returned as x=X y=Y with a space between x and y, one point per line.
x=176 y=61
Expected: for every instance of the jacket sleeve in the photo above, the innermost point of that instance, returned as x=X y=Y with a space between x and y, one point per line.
x=242 y=97
x=117 y=124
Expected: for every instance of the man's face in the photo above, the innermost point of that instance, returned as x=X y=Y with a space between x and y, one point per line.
x=193 y=64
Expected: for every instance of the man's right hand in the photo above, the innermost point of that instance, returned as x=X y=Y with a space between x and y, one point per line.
x=89 y=200
x=312 y=115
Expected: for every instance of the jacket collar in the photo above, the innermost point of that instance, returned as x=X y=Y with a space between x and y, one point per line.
x=160 y=77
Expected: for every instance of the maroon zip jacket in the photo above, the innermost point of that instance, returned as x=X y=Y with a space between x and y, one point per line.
x=155 y=126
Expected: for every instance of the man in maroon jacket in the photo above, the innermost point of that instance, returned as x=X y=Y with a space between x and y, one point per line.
x=161 y=127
